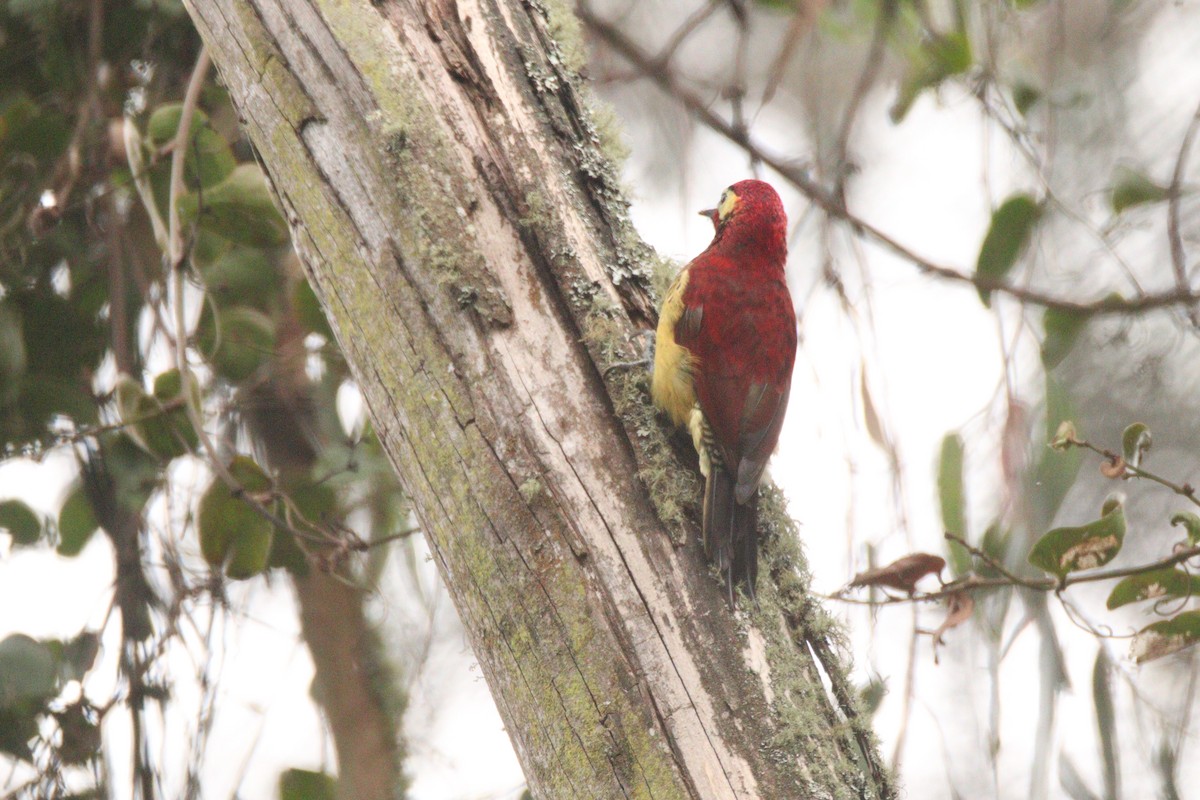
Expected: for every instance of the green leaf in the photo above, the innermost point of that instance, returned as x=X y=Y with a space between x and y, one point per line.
x=309 y=311
x=870 y=696
x=996 y=541
x=17 y=727
x=1135 y=443
x=169 y=386
x=939 y=58
x=44 y=397
x=36 y=13
x=250 y=553
x=163 y=435
x=12 y=353
x=233 y=535
x=237 y=341
x=1008 y=234
x=239 y=208
x=22 y=524
x=1159 y=583
x=1191 y=523
x=28 y=671
x=1062 y=329
x=1166 y=637
x=287 y=554
x=178 y=436
x=76 y=523
x=302 y=784
x=952 y=498
x=136 y=473
x=1065 y=436
x=62 y=339
x=243 y=276
x=40 y=131
x=1065 y=550
x=78 y=656
x=164 y=439
x=1054 y=473
x=209 y=159
x=127 y=393
x=1132 y=188
x=317 y=502
x=1025 y=97
x=164 y=122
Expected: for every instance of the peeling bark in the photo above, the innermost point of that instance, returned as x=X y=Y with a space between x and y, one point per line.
x=463 y=229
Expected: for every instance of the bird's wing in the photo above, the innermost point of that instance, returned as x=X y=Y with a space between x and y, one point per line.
x=762 y=419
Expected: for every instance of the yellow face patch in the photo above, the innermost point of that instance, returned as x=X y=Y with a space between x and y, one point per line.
x=729 y=202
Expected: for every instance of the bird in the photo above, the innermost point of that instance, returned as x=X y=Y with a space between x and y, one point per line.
x=724 y=349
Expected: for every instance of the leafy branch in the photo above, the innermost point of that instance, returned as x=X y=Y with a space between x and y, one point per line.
x=1069 y=556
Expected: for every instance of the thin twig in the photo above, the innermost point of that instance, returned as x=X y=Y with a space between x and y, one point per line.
x=802 y=17
x=191 y=98
x=1178 y=258
x=141 y=182
x=797 y=175
x=1016 y=580
x=974 y=582
x=175 y=254
x=883 y=25
x=1181 y=489
x=685 y=30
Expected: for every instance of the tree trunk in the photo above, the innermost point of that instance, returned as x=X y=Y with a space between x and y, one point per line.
x=462 y=225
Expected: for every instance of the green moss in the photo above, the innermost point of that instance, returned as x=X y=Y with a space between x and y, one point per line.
x=563 y=26
x=531 y=489
x=506 y=630
x=536 y=213
x=788 y=597
x=608 y=128
x=412 y=147
x=662 y=273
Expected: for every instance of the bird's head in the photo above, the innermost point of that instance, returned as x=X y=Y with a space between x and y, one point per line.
x=750 y=210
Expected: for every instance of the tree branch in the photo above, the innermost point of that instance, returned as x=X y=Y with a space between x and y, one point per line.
x=1178 y=257
x=797 y=175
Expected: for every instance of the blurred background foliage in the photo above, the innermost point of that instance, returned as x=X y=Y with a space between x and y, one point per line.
x=90 y=107
x=975 y=188
x=995 y=221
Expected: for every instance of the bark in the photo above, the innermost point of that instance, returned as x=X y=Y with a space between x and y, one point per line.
x=450 y=199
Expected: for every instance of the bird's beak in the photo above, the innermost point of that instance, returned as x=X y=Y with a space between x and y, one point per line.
x=711 y=213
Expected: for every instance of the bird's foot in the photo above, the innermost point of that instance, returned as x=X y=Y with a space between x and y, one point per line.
x=645 y=362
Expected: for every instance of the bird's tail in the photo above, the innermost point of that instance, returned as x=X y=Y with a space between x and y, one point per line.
x=730 y=531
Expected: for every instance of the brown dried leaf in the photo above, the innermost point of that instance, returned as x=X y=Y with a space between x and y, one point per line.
x=960 y=607
x=870 y=415
x=1014 y=447
x=1113 y=468
x=903 y=573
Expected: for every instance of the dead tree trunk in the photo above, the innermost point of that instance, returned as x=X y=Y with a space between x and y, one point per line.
x=461 y=223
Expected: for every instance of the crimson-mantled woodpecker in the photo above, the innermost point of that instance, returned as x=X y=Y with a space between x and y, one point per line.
x=724 y=350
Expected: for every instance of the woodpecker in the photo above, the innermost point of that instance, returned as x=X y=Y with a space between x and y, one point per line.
x=724 y=350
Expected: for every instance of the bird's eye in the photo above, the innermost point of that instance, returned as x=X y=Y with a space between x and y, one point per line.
x=729 y=202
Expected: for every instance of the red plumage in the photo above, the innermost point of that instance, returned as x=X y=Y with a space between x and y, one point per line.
x=739 y=328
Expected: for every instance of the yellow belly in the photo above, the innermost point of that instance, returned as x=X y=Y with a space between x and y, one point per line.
x=671 y=387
